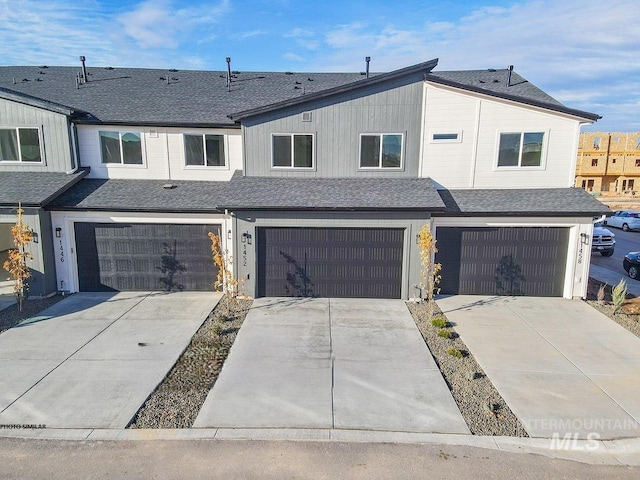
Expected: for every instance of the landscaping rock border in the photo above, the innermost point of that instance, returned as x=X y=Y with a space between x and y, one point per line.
x=482 y=407
x=176 y=401
x=31 y=307
x=629 y=321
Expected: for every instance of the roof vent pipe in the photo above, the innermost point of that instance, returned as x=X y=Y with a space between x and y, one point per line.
x=509 y=77
x=228 y=59
x=367 y=59
x=84 y=69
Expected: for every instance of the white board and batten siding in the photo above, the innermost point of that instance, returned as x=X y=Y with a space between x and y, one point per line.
x=54 y=137
x=162 y=152
x=472 y=162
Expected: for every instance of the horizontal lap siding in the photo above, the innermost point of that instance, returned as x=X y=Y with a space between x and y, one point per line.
x=336 y=262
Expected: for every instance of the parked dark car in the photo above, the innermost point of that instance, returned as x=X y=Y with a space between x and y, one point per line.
x=631 y=264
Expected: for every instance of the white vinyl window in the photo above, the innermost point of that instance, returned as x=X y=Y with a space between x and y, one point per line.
x=290 y=150
x=521 y=149
x=446 y=137
x=204 y=150
x=20 y=145
x=123 y=148
x=382 y=150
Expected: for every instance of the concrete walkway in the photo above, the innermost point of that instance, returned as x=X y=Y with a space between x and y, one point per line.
x=331 y=364
x=562 y=367
x=92 y=359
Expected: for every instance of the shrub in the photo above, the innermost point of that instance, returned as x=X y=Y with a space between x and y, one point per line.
x=619 y=294
x=454 y=352
x=444 y=333
x=216 y=330
x=600 y=294
x=439 y=322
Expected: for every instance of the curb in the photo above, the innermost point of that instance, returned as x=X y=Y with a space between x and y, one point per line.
x=595 y=452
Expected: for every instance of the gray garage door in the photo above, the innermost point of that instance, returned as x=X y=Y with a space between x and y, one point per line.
x=330 y=262
x=502 y=261
x=118 y=257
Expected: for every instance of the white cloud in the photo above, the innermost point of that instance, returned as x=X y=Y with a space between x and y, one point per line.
x=162 y=24
x=570 y=50
x=149 y=34
x=293 y=57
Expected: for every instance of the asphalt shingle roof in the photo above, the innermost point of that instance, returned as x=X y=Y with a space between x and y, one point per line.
x=34 y=188
x=542 y=201
x=142 y=196
x=497 y=83
x=294 y=193
x=138 y=96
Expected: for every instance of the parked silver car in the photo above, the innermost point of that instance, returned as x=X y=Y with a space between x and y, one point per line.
x=624 y=219
x=604 y=241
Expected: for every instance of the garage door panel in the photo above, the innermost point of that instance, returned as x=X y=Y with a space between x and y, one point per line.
x=330 y=262
x=503 y=261
x=120 y=257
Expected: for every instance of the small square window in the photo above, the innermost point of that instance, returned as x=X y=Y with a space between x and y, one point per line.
x=121 y=147
x=594 y=162
x=381 y=150
x=20 y=145
x=520 y=149
x=204 y=150
x=292 y=151
x=637 y=162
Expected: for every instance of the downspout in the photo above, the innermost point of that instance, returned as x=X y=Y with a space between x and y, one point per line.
x=166 y=142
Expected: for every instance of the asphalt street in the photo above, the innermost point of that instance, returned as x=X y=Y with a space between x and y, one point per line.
x=625 y=242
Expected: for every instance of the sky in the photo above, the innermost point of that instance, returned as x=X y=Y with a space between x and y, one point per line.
x=585 y=53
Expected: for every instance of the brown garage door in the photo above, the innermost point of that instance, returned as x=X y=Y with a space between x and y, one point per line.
x=502 y=261
x=330 y=262
x=165 y=257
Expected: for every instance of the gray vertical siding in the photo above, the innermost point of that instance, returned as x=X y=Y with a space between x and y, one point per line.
x=245 y=262
x=43 y=275
x=337 y=122
x=55 y=136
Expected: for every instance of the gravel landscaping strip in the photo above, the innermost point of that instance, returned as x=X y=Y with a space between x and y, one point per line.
x=12 y=316
x=482 y=407
x=175 y=403
x=630 y=322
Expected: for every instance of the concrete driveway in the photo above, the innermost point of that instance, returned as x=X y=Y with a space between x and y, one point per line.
x=331 y=363
x=562 y=367
x=91 y=360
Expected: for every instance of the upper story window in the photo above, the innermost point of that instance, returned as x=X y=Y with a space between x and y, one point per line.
x=292 y=150
x=204 y=150
x=520 y=149
x=20 y=145
x=594 y=162
x=381 y=150
x=446 y=137
x=121 y=147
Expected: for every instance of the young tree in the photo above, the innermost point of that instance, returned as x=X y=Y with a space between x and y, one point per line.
x=16 y=264
x=430 y=271
x=226 y=281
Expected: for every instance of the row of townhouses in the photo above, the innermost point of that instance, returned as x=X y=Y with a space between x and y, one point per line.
x=317 y=183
